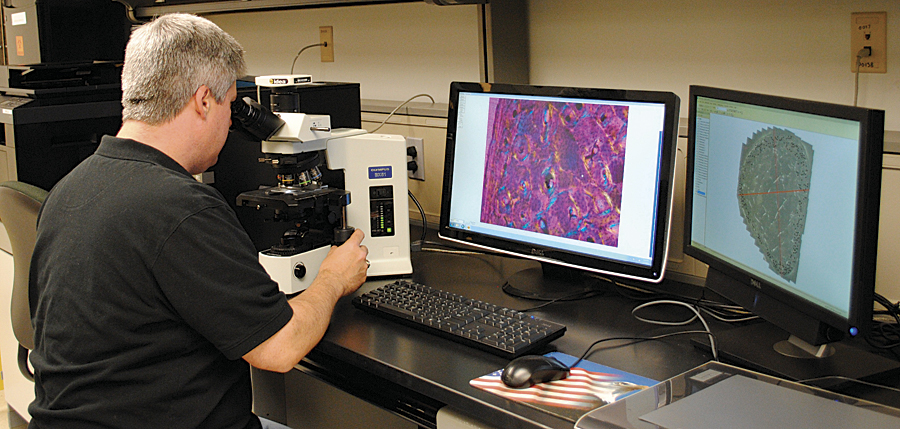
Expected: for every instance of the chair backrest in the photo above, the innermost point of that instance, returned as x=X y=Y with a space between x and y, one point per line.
x=19 y=207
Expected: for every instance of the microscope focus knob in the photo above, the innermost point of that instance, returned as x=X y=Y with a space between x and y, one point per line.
x=341 y=235
x=300 y=270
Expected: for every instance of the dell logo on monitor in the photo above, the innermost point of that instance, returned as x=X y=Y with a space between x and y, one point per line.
x=537 y=252
x=756 y=283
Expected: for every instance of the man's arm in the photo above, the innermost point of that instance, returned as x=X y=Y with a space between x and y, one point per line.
x=341 y=273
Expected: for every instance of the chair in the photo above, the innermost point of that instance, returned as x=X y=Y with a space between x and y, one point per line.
x=19 y=206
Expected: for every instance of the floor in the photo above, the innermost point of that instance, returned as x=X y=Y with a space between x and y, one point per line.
x=4 y=414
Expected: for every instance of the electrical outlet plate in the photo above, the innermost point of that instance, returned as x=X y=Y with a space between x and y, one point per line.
x=326 y=35
x=869 y=29
x=419 y=144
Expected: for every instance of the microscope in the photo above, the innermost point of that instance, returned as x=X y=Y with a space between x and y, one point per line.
x=317 y=215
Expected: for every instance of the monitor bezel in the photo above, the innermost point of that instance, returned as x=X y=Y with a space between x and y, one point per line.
x=653 y=272
x=749 y=290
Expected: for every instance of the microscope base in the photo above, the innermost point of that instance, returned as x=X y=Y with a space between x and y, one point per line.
x=294 y=273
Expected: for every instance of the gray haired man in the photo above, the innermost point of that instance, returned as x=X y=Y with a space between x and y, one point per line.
x=148 y=301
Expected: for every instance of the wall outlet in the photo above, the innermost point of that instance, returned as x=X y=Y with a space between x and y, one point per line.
x=868 y=29
x=326 y=36
x=419 y=145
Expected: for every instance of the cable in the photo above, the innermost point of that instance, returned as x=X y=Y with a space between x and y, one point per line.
x=864 y=52
x=716 y=315
x=450 y=251
x=839 y=377
x=885 y=335
x=697 y=315
x=636 y=293
x=891 y=308
x=453 y=250
x=585 y=293
x=727 y=313
x=641 y=339
x=301 y=51
x=422 y=213
x=573 y=297
x=588 y=291
x=856 y=85
x=390 y=115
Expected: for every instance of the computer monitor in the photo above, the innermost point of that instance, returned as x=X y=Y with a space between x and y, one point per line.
x=579 y=179
x=782 y=203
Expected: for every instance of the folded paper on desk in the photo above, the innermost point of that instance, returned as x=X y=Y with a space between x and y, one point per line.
x=588 y=386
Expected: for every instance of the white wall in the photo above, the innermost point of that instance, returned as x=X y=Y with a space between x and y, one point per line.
x=793 y=48
x=393 y=51
x=797 y=48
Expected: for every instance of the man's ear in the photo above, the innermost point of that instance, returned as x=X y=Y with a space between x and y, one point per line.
x=201 y=100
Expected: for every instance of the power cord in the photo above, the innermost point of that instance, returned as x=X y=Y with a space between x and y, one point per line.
x=323 y=44
x=885 y=332
x=640 y=339
x=418 y=246
x=390 y=115
x=697 y=315
x=863 y=53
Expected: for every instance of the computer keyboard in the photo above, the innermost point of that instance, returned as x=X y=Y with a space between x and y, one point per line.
x=498 y=330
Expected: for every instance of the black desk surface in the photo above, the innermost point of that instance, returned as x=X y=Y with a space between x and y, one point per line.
x=412 y=372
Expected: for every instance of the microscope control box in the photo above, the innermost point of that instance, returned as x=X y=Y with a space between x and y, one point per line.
x=374 y=168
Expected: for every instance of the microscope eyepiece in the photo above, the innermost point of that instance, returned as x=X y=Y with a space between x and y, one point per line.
x=255 y=119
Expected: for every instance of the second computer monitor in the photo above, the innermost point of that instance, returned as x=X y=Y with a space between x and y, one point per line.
x=783 y=205
x=572 y=177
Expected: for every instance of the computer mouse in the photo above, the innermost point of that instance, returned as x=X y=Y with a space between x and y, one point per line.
x=526 y=371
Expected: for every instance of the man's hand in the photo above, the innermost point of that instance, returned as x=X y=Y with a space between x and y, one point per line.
x=341 y=273
x=345 y=266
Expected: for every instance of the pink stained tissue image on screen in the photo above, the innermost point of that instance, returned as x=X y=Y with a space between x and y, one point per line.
x=555 y=168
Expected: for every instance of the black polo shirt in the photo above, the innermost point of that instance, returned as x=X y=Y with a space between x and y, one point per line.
x=145 y=293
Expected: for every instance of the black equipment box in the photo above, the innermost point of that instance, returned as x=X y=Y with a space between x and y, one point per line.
x=63 y=31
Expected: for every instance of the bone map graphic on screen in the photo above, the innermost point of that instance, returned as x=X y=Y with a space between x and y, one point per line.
x=555 y=168
x=773 y=195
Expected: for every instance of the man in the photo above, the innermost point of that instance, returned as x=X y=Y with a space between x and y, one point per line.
x=146 y=292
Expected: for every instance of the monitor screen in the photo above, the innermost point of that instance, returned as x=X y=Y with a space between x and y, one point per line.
x=782 y=203
x=574 y=177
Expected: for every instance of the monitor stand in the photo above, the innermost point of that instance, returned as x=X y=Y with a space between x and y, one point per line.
x=550 y=282
x=761 y=346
